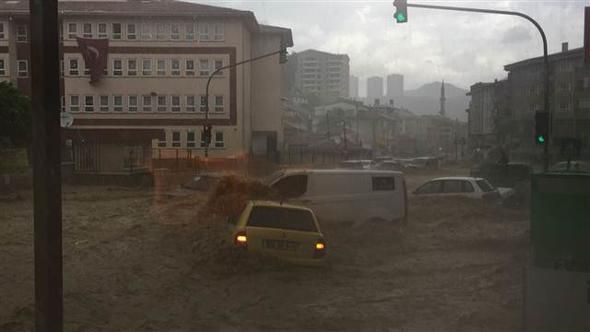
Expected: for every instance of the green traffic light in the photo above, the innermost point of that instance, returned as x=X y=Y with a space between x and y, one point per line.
x=400 y=17
x=540 y=139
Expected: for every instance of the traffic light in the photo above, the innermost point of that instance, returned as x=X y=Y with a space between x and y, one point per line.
x=283 y=55
x=207 y=134
x=401 y=11
x=541 y=127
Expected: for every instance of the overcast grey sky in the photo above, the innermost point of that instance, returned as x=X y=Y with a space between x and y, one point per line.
x=462 y=48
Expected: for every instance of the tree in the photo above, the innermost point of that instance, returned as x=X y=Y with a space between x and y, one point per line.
x=15 y=116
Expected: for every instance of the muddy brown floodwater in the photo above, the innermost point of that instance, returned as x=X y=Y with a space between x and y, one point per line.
x=137 y=261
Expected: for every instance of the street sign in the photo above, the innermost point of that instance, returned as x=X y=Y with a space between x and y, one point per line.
x=66 y=119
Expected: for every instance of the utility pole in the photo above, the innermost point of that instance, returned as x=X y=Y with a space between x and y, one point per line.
x=402 y=17
x=207 y=126
x=46 y=165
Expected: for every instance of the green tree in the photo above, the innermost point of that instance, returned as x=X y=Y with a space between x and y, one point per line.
x=15 y=116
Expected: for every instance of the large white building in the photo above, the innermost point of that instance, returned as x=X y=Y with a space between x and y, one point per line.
x=374 y=89
x=152 y=94
x=321 y=73
x=395 y=86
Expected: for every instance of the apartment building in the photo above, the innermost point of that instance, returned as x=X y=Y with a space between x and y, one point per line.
x=323 y=74
x=395 y=86
x=374 y=90
x=152 y=90
x=483 y=113
x=569 y=96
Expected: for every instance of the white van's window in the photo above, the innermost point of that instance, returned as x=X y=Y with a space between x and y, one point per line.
x=282 y=218
x=292 y=186
x=383 y=183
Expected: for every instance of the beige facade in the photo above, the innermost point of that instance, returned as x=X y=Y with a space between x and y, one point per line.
x=160 y=57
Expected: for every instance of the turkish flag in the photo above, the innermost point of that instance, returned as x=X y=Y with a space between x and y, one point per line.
x=95 y=53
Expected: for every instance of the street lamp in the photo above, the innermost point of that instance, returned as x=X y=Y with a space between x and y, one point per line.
x=207 y=127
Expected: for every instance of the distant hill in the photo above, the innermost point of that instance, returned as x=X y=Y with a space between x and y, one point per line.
x=425 y=100
x=433 y=90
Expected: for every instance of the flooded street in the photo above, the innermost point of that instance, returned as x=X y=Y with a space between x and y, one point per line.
x=136 y=261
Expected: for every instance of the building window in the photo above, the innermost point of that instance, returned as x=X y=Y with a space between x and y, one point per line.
x=174 y=31
x=21 y=33
x=74 y=103
x=161 y=67
x=564 y=106
x=89 y=104
x=162 y=143
x=203 y=32
x=147 y=103
x=131 y=67
x=146 y=67
x=131 y=31
x=175 y=103
x=72 y=30
x=104 y=103
x=175 y=139
x=117 y=31
x=203 y=107
x=189 y=31
x=2 y=68
x=87 y=30
x=175 y=67
x=203 y=144
x=191 y=141
x=218 y=32
x=584 y=103
x=190 y=103
x=219 y=104
x=162 y=104
x=117 y=67
x=102 y=30
x=161 y=31
x=219 y=64
x=189 y=68
x=62 y=102
x=132 y=103
x=146 y=31
x=22 y=68
x=118 y=103
x=86 y=70
x=219 y=142
x=204 y=67
x=2 y=32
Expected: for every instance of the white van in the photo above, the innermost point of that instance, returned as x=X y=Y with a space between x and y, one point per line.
x=345 y=195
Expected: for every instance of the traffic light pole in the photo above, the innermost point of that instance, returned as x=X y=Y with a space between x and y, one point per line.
x=47 y=205
x=215 y=72
x=545 y=58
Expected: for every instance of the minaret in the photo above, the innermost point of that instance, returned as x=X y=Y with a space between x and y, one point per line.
x=442 y=99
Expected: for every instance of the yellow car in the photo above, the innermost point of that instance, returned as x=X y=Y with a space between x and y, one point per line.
x=287 y=231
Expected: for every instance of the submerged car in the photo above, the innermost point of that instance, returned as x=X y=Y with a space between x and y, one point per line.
x=286 y=231
x=470 y=187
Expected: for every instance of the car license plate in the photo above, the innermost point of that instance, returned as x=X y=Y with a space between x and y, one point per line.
x=280 y=245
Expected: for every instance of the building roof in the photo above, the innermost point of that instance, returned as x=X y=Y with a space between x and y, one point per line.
x=321 y=52
x=284 y=32
x=573 y=53
x=160 y=8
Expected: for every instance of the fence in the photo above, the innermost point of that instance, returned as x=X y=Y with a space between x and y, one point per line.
x=314 y=157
